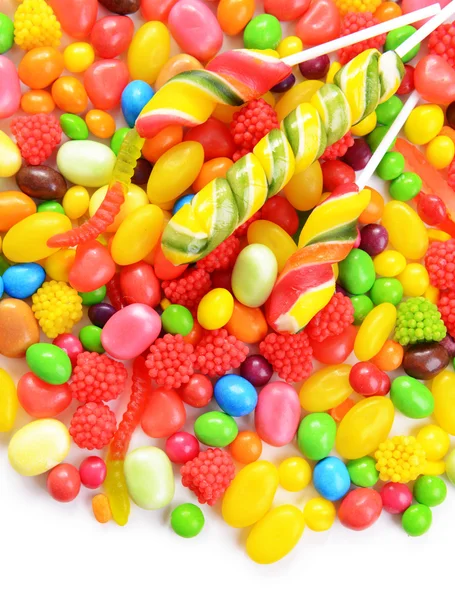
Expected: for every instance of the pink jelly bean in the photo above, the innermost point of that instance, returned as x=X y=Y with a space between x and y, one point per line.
x=157 y=10
x=130 y=331
x=286 y=10
x=70 y=344
x=10 y=89
x=434 y=79
x=105 y=81
x=408 y=6
x=93 y=472
x=277 y=414
x=195 y=29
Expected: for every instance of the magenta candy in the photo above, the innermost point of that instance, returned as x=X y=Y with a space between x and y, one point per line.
x=316 y=68
x=286 y=10
x=284 y=85
x=140 y=284
x=358 y=155
x=99 y=314
x=70 y=344
x=131 y=331
x=112 y=35
x=257 y=370
x=10 y=89
x=277 y=413
x=396 y=498
x=373 y=239
x=105 y=81
x=93 y=472
x=181 y=447
x=195 y=29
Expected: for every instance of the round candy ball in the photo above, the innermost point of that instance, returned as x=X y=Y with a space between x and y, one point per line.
x=416 y=520
x=177 y=319
x=331 y=478
x=92 y=471
x=373 y=239
x=187 y=520
x=181 y=447
x=262 y=33
x=391 y=166
x=319 y=514
x=198 y=391
x=358 y=155
x=294 y=474
x=430 y=490
x=235 y=395
x=386 y=289
x=360 y=509
x=64 y=482
x=396 y=498
x=363 y=472
x=246 y=448
x=316 y=68
x=257 y=370
x=69 y=344
x=99 y=314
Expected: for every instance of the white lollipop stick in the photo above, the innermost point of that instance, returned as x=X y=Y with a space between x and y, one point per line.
x=370 y=32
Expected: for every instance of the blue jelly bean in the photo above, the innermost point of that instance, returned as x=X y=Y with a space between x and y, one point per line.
x=134 y=97
x=22 y=281
x=235 y=395
x=181 y=202
x=331 y=478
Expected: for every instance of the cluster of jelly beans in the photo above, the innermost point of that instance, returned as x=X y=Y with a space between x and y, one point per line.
x=188 y=327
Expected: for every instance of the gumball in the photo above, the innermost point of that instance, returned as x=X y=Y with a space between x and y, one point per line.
x=407 y=83
x=246 y=448
x=336 y=173
x=360 y=509
x=294 y=474
x=177 y=319
x=431 y=209
x=316 y=68
x=187 y=520
x=69 y=344
x=365 y=378
x=99 y=314
x=281 y=212
x=64 y=482
x=396 y=497
x=319 y=514
x=262 y=32
x=358 y=155
x=417 y=520
x=78 y=57
x=198 y=392
x=430 y=491
x=181 y=447
x=256 y=369
x=92 y=471
x=235 y=395
x=373 y=239
x=215 y=138
x=435 y=441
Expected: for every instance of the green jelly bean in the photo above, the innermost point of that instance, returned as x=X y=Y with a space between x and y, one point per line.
x=450 y=466
x=405 y=187
x=376 y=136
x=316 y=435
x=386 y=289
x=416 y=520
x=388 y=111
x=74 y=127
x=187 y=520
x=362 y=306
x=95 y=297
x=396 y=37
x=4 y=264
x=357 y=273
x=363 y=472
x=6 y=33
x=90 y=338
x=149 y=477
x=177 y=319
x=51 y=206
x=215 y=429
x=49 y=362
x=117 y=139
x=391 y=166
x=430 y=490
x=262 y=33
x=411 y=397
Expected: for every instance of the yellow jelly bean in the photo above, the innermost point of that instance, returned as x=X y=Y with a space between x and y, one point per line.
x=250 y=495
x=135 y=198
x=38 y=447
x=432 y=294
x=326 y=388
x=137 y=235
x=274 y=237
x=215 y=309
x=319 y=514
x=269 y=98
x=414 y=279
x=10 y=156
x=294 y=474
x=275 y=535
x=305 y=188
x=8 y=401
x=289 y=45
x=375 y=330
x=424 y=123
x=149 y=51
x=443 y=389
x=436 y=235
x=434 y=467
x=365 y=126
x=333 y=70
x=224 y=112
x=389 y=263
x=58 y=265
x=398 y=217
x=435 y=441
x=364 y=427
x=75 y=202
x=78 y=57
x=440 y=151
x=27 y=240
x=174 y=172
x=302 y=92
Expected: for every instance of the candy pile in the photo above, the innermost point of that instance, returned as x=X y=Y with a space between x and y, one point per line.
x=216 y=240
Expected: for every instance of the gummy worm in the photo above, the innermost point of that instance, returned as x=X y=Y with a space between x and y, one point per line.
x=114 y=292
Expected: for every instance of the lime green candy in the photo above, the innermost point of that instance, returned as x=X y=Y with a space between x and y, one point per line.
x=416 y=520
x=149 y=477
x=357 y=274
x=74 y=127
x=95 y=297
x=376 y=136
x=177 y=319
x=389 y=110
x=51 y=206
x=430 y=490
x=117 y=139
x=450 y=467
x=411 y=397
x=187 y=520
x=391 y=166
x=262 y=33
x=396 y=37
x=405 y=187
x=386 y=289
x=48 y=362
x=316 y=435
x=363 y=472
x=6 y=33
x=362 y=306
x=90 y=338
x=215 y=429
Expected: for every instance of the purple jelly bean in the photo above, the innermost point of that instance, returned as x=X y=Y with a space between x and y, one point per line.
x=358 y=155
x=316 y=68
x=257 y=370
x=284 y=85
x=99 y=314
x=373 y=239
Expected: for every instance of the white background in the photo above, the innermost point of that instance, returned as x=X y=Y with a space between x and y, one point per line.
x=54 y=550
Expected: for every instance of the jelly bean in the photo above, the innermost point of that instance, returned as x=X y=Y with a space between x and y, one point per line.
x=92 y=471
x=6 y=33
x=319 y=24
x=319 y=514
x=405 y=187
x=443 y=391
x=277 y=413
x=281 y=212
x=304 y=190
x=149 y=477
x=388 y=111
x=34 y=102
x=177 y=319
x=389 y=357
x=121 y=7
x=430 y=491
x=39 y=227
x=195 y=29
x=76 y=18
x=40 y=399
x=134 y=97
x=164 y=413
x=286 y=10
x=417 y=520
x=254 y=275
x=111 y=36
x=365 y=126
x=374 y=331
x=76 y=202
x=19 y=328
x=235 y=395
x=326 y=388
x=85 y=162
x=214 y=137
x=331 y=478
x=424 y=123
x=386 y=290
x=130 y=331
x=233 y=15
x=373 y=239
x=129 y=246
x=450 y=467
x=275 y=535
x=48 y=362
x=398 y=36
x=104 y=82
x=435 y=441
x=94 y=297
x=431 y=209
x=217 y=167
x=140 y=284
x=411 y=397
x=74 y=127
x=316 y=68
x=365 y=378
x=187 y=520
x=58 y=265
x=389 y=263
x=99 y=314
x=215 y=309
x=198 y=391
x=316 y=435
x=360 y=509
x=257 y=370
x=69 y=344
x=363 y=472
x=414 y=279
x=425 y=361
x=216 y=429
x=69 y=95
x=335 y=349
x=101 y=124
x=41 y=182
x=294 y=474
x=21 y=281
x=156 y=10
x=135 y=198
x=250 y=495
x=180 y=63
x=8 y=398
x=182 y=447
x=440 y=151
x=302 y=92
x=10 y=156
x=93 y=267
x=178 y=167
x=78 y=57
x=357 y=272
x=391 y=166
x=247 y=324
x=40 y=67
x=38 y=447
x=149 y=51
x=262 y=32
x=246 y=448
x=273 y=237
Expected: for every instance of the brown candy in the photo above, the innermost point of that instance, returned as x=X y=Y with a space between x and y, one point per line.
x=141 y=172
x=121 y=7
x=425 y=361
x=18 y=328
x=41 y=182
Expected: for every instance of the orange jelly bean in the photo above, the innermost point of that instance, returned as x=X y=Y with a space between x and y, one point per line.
x=14 y=206
x=217 y=167
x=162 y=142
x=35 y=102
x=69 y=95
x=100 y=123
x=387 y=11
x=175 y=65
x=246 y=448
x=247 y=324
x=234 y=15
x=339 y=412
x=40 y=67
x=195 y=335
x=374 y=210
x=389 y=357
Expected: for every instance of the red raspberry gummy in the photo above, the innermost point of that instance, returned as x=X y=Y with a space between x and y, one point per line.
x=289 y=355
x=223 y=257
x=218 y=352
x=92 y=426
x=440 y=264
x=36 y=136
x=170 y=361
x=189 y=289
x=97 y=378
x=208 y=475
x=250 y=124
x=442 y=42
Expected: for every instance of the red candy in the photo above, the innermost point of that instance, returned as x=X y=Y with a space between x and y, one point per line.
x=170 y=361
x=218 y=352
x=360 y=509
x=111 y=36
x=76 y=17
x=289 y=355
x=105 y=81
x=70 y=344
x=333 y=319
x=338 y=149
x=97 y=378
x=164 y=269
x=335 y=349
x=396 y=498
x=336 y=173
x=442 y=42
x=140 y=284
x=92 y=426
x=215 y=138
x=278 y=210
x=208 y=475
x=36 y=136
x=164 y=413
x=319 y=24
x=434 y=79
x=63 y=482
x=286 y=10
x=156 y=10
x=353 y=22
x=431 y=209
x=407 y=83
x=182 y=447
x=223 y=257
x=250 y=124
x=40 y=399
x=446 y=306
x=366 y=379
x=440 y=264
x=198 y=392
x=92 y=471
x=189 y=289
x=93 y=267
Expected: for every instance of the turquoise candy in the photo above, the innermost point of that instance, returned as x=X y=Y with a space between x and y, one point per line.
x=149 y=478
x=316 y=435
x=48 y=362
x=411 y=397
x=74 y=127
x=357 y=274
x=215 y=429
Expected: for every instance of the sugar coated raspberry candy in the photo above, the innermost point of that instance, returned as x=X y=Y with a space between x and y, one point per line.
x=357 y=21
x=440 y=264
x=36 y=136
x=442 y=42
x=35 y=25
x=290 y=355
x=250 y=124
x=57 y=308
x=446 y=306
x=418 y=320
x=208 y=475
x=189 y=289
x=360 y=6
x=170 y=361
x=333 y=319
x=97 y=378
x=218 y=352
x=223 y=257
x=338 y=149
x=92 y=426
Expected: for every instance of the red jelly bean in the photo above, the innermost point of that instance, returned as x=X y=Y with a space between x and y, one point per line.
x=335 y=349
x=140 y=284
x=320 y=23
x=70 y=344
x=76 y=17
x=164 y=413
x=93 y=267
x=335 y=173
x=182 y=447
x=407 y=83
x=365 y=378
x=105 y=81
x=112 y=35
x=198 y=391
x=431 y=209
x=156 y=10
x=40 y=399
x=92 y=471
x=360 y=509
x=64 y=482
x=396 y=497
x=215 y=138
x=278 y=210
x=286 y=10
